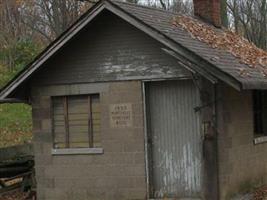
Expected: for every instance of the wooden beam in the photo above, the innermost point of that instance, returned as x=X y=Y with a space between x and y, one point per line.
x=11 y=100
x=66 y=119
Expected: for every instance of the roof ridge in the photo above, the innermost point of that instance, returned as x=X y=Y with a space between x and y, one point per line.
x=147 y=7
x=177 y=14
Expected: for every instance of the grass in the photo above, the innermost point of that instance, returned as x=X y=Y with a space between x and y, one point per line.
x=15 y=124
x=15 y=119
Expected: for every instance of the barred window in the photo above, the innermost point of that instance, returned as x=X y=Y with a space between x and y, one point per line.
x=76 y=121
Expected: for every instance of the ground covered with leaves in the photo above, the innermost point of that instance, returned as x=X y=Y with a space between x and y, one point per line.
x=260 y=194
x=15 y=124
x=15 y=195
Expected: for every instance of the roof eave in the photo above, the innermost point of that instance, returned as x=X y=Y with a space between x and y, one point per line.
x=12 y=100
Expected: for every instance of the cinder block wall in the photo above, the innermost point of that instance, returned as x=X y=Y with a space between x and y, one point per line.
x=242 y=165
x=119 y=173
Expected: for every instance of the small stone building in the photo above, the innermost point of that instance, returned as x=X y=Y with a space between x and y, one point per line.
x=128 y=104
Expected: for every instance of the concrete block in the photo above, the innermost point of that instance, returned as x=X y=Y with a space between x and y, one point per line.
x=56 y=194
x=46 y=125
x=134 y=146
x=139 y=158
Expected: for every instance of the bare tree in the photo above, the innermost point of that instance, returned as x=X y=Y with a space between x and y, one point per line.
x=249 y=18
x=50 y=18
x=165 y=4
x=182 y=6
x=179 y=6
x=12 y=30
x=32 y=22
x=133 y=1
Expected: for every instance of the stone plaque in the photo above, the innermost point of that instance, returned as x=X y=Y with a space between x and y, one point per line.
x=121 y=115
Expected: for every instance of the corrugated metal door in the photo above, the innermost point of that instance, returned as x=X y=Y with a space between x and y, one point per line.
x=175 y=138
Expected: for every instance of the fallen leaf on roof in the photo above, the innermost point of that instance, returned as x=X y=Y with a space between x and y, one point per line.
x=227 y=40
x=243 y=72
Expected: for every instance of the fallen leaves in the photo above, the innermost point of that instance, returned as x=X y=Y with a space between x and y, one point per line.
x=11 y=138
x=227 y=40
x=14 y=195
x=260 y=194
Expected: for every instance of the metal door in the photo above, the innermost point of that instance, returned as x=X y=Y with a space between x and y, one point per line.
x=174 y=139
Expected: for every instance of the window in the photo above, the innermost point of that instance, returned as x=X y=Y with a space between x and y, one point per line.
x=76 y=122
x=260 y=112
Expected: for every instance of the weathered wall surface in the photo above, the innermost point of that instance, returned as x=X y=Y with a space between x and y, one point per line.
x=241 y=163
x=109 y=49
x=119 y=173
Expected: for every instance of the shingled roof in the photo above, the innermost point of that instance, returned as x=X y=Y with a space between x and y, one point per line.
x=213 y=63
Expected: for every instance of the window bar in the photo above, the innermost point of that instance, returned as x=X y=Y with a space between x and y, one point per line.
x=90 y=123
x=66 y=118
x=53 y=122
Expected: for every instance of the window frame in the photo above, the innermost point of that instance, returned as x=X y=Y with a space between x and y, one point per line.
x=258 y=97
x=72 y=150
x=257 y=113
